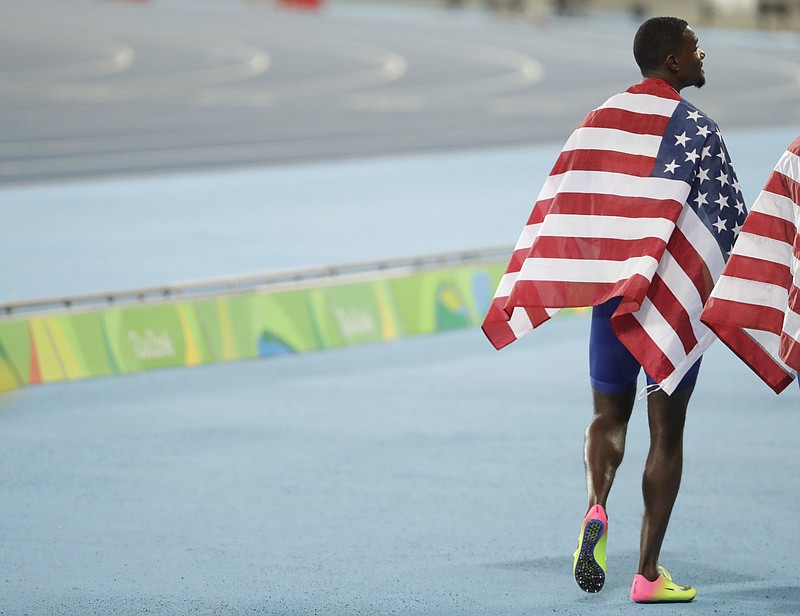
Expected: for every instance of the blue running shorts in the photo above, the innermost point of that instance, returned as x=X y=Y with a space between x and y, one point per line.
x=612 y=368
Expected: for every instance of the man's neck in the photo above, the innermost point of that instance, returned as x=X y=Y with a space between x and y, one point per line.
x=664 y=76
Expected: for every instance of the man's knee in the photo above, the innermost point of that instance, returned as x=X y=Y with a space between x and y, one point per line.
x=613 y=408
x=667 y=417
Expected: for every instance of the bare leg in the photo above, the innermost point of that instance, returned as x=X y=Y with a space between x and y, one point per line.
x=662 y=474
x=604 y=445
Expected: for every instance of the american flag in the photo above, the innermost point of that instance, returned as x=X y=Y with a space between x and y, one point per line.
x=755 y=306
x=642 y=203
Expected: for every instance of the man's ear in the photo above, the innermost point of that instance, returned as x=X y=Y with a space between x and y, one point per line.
x=672 y=63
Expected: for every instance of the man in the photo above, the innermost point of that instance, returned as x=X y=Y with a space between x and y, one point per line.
x=755 y=306
x=635 y=219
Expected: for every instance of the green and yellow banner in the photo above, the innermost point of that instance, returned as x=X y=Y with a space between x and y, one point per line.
x=128 y=338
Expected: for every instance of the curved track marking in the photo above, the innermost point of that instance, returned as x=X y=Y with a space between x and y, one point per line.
x=388 y=66
x=246 y=62
x=115 y=58
x=84 y=81
x=526 y=71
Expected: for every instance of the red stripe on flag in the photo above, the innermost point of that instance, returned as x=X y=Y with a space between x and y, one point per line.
x=592 y=204
x=575 y=294
x=536 y=314
x=794 y=300
x=673 y=312
x=777 y=184
x=748 y=350
x=593 y=248
x=516 y=261
x=495 y=325
x=783 y=185
x=789 y=351
x=690 y=261
x=759 y=270
x=789 y=347
x=629 y=121
x=540 y=209
x=743 y=315
x=604 y=160
x=758 y=223
x=655 y=88
x=636 y=339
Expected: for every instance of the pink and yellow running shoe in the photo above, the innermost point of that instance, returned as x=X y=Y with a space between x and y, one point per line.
x=589 y=565
x=662 y=590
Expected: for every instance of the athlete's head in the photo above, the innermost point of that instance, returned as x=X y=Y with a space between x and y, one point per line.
x=667 y=47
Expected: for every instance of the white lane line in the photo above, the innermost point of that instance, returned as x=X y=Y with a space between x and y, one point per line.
x=525 y=72
x=115 y=58
x=386 y=66
x=242 y=61
x=227 y=61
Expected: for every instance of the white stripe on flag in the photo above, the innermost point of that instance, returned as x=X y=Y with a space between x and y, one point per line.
x=585 y=270
x=612 y=227
x=527 y=236
x=604 y=183
x=660 y=331
x=791 y=324
x=684 y=290
x=506 y=284
x=519 y=322
x=589 y=138
x=764 y=248
x=641 y=103
x=701 y=239
x=756 y=293
x=775 y=205
x=789 y=165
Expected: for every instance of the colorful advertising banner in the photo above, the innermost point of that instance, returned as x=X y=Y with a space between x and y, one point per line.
x=129 y=338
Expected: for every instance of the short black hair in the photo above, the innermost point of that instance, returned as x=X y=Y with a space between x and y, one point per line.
x=657 y=38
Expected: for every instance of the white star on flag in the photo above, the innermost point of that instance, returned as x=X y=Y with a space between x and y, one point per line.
x=701 y=199
x=722 y=201
x=702 y=175
x=722 y=178
x=706 y=152
x=682 y=139
x=720 y=225
x=670 y=167
x=692 y=156
x=703 y=130
x=694 y=115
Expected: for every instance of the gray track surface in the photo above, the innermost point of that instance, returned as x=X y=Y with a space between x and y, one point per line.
x=94 y=88
x=428 y=476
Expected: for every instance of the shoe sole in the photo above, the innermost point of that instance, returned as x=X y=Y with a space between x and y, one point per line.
x=588 y=573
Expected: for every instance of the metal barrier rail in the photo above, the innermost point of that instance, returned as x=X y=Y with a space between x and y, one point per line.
x=284 y=279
